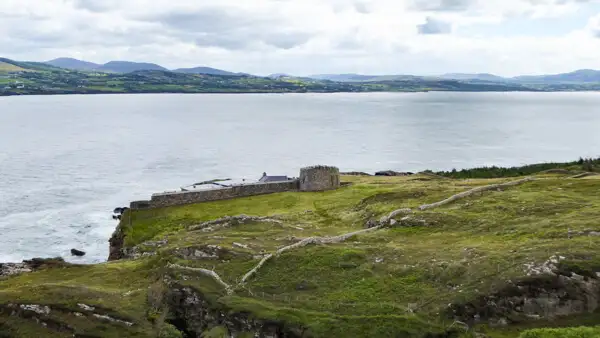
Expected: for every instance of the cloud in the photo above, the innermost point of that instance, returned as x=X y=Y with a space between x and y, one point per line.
x=593 y=26
x=93 y=5
x=304 y=36
x=362 y=7
x=442 y=5
x=434 y=26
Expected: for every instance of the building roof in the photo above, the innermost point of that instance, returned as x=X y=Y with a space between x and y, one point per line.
x=273 y=179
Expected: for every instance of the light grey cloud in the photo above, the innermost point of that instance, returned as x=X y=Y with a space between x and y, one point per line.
x=442 y=5
x=434 y=26
x=93 y=5
x=362 y=7
x=230 y=29
x=295 y=36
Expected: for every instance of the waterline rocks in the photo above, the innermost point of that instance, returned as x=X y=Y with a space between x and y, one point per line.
x=77 y=253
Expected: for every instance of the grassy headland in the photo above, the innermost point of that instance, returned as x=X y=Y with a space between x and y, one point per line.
x=493 y=264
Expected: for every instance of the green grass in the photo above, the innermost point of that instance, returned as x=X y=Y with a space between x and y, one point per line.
x=465 y=249
x=590 y=165
x=578 y=332
x=7 y=67
x=117 y=289
x=394 y=282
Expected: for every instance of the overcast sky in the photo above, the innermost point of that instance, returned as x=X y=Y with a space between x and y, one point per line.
x=301 y=37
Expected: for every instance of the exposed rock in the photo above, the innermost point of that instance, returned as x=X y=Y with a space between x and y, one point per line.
x=240 y=245
x=141 y=250
x=392 y=173
x=230 y=221
x=371 y=224
x=37 y=314
x=208 y=252
x=86 y=307
x=544 y=296
x=120 y=211
x=548 y=267
x=111 y=319
x=393 y=214
x=11 y=269
x=39 y=309
x=193 y=315
x=116 y=244
x=78 y=253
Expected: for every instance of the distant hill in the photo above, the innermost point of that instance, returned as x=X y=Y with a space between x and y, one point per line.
x=26 y=66
x=70 y=63
x=578 y=76
x=481 y=77
x=128 y=67
x=279 y=75
x=343 y=77
x=204 y=70
x=9 y=67
x=365 y=78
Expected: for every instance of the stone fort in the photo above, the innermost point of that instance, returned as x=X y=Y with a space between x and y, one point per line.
x=315 y=178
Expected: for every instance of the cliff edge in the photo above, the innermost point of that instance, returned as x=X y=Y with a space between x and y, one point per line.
x=403 y=256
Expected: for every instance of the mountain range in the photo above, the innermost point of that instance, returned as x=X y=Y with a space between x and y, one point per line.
x=128 y=67
x=578 y=76
x=583 y=76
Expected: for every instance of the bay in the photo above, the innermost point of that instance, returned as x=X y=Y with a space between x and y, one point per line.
x=67 y=161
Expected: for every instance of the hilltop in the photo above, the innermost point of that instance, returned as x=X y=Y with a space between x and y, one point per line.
x=71 y=76
x=379 y=257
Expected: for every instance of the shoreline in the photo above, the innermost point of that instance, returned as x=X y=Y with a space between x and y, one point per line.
x=590 y=166
x=281 y=93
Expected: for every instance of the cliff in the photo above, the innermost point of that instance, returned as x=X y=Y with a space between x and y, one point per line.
x=405 y=256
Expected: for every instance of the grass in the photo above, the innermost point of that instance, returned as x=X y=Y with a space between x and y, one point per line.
x=578 y=332
x=581 y=165
x=115 y=289
x=394 y=282
x=7 y=67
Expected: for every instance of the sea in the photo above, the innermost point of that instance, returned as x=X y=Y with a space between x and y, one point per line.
x=67 y=161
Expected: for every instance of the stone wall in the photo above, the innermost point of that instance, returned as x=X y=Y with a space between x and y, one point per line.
x=319 y=178
x=189 y=197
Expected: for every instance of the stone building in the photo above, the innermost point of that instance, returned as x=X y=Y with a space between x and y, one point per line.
x=316 y=178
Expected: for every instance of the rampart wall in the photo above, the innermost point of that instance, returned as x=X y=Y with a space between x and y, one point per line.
x=189 y=197
x=317 y=178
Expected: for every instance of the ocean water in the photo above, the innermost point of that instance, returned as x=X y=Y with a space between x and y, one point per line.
x=67 y=161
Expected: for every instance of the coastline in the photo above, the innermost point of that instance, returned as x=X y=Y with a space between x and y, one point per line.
x=320 y=266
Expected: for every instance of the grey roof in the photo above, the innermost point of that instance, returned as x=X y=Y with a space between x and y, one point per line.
x=273 y=178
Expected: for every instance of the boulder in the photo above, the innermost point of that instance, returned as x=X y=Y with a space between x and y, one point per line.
x=78 y=253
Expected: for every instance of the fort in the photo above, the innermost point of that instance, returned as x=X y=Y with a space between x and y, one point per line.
x=315 y=178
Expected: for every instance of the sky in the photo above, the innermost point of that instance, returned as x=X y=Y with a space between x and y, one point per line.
x=302 y=37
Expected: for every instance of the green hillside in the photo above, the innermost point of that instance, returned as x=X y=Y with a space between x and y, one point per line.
x=7 y=67
x=495 y=262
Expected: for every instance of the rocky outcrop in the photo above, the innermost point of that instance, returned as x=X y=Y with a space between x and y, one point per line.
x=77 y=253
x=229 y=221
x=116 y=244
x=194 y=315
x=12 y=269
x=545 y=296
x=355 y=173
x=392 y=173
